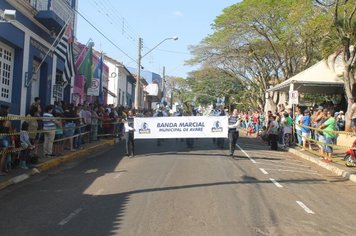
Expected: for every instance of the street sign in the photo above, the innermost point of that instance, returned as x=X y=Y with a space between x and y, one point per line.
x=293 y=97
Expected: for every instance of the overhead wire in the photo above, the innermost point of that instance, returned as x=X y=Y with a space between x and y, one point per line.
x=104 y=10
x=120 y=23
x=100 y=10
x=102 y=34
x=112 y=15
x=116 y=13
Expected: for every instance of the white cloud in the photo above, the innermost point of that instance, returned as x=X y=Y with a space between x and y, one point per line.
x=178 y=13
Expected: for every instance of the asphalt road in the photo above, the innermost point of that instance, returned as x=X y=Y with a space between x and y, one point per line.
x=173 y=190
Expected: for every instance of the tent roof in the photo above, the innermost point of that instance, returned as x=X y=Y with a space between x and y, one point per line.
x=318 y=78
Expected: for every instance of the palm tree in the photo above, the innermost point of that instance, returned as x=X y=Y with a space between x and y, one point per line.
x=341 y=43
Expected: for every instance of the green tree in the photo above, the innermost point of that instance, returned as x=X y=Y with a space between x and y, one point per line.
x=341 y=42
x=263 y=42
x=208 y=84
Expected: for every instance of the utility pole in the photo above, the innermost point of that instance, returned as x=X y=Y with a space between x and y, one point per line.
x=163 y=84
x=137 y=88
x=172 y=88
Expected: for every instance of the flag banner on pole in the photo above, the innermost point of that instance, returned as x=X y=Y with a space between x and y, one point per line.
x=96 y=83
x=86 y=67
x=181 y=127
x=100 y=76
x=64 y=51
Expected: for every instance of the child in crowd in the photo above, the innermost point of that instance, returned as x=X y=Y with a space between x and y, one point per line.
x=250 y=129
x=26 y=144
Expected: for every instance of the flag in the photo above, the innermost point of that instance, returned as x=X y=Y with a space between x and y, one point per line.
x=98 y=73
x=64 y=51
x=86 y=67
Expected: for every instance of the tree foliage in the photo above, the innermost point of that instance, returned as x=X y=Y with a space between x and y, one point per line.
x=263 y=42
x=340 y=41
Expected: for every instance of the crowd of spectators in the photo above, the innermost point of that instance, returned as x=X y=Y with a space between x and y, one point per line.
x=54 y=129
x=314 y=126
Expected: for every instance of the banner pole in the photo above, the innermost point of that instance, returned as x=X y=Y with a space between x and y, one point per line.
x=27 y=83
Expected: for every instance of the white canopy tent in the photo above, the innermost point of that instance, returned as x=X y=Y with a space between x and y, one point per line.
x=318 y=79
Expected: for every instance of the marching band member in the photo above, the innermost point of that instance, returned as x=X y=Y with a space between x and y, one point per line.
x=234 y=124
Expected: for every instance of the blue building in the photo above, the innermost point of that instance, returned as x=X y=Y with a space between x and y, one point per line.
x=150 y=77
x=154 y=88
x=28 y=66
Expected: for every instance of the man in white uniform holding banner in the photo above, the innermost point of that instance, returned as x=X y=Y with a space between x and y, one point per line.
x=181 y=127
x=129 y=134
x=234 y=124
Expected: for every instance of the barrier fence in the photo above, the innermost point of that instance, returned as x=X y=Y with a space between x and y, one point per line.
x=80 y=131
x=334 y=145
x=336 y=132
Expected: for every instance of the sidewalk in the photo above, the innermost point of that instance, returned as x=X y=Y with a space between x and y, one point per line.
x=337 y=166
x=18 y=175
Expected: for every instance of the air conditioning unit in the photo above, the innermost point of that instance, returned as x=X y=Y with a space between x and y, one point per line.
x=9 y=15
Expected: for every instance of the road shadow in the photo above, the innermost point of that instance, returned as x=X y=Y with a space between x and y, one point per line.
x=70 y=205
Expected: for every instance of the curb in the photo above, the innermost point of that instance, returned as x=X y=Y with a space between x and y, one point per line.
x=334 y=169
x=53 y=163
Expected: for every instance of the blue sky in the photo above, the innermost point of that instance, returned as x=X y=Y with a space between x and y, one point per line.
x=123 y=22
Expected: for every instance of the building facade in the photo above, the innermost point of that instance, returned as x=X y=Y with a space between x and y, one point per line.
x=29 y=68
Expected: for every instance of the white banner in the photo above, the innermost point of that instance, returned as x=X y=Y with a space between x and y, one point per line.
x=181 y=127
x=94 y=90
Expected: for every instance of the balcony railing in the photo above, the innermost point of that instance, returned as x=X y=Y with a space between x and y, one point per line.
x=61 y=8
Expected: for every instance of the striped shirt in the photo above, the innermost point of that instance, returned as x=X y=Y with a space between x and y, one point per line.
x=48 y=123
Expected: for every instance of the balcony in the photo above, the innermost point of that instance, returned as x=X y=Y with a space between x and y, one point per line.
x=52 y=13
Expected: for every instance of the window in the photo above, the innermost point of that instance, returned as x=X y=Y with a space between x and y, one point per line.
x=58 y=87
x=6 y=70
x=119 y=97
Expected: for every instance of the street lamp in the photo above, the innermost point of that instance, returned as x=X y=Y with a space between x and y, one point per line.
x=137 y=88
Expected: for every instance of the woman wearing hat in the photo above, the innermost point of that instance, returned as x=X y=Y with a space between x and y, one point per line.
x=340 y=120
